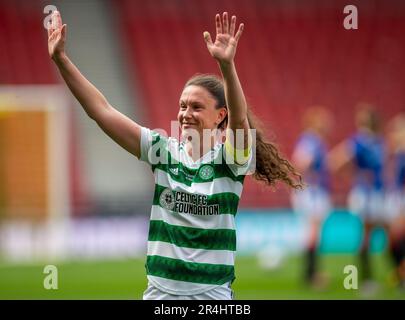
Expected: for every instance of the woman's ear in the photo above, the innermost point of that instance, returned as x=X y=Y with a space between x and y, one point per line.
x=222 y=114
x=222 y=118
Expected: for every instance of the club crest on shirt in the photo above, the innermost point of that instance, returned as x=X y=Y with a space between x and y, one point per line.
x=167 y=199
x=206 y=172
x=174 y=170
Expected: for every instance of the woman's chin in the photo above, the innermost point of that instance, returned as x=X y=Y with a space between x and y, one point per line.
x=189 y=132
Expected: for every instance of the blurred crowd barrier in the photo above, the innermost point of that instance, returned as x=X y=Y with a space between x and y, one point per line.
x=269 y=233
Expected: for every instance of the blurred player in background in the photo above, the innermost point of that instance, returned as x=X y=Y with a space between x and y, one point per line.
x=192 y=238
x=365 y=151
x=396 y=197
x=314 y=203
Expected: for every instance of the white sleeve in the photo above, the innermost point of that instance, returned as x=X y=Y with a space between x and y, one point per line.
x=152 y=145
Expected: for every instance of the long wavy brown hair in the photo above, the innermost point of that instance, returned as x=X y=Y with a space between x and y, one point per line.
x=271 y=166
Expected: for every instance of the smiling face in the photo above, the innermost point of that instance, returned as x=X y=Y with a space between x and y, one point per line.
x=198 y=111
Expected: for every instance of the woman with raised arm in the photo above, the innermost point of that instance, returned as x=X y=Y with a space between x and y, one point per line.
x=199 y=179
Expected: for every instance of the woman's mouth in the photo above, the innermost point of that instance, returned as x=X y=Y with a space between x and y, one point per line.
x=188 y=125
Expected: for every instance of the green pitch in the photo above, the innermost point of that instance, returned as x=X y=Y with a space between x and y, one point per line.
x=125 y=279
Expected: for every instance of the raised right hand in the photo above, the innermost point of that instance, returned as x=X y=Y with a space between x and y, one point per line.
x=56 y=36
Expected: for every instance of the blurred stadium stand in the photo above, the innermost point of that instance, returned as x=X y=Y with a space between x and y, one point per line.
x=96 y=186
x=294 y=54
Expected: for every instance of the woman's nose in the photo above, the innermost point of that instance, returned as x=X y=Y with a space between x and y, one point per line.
x=187 y=113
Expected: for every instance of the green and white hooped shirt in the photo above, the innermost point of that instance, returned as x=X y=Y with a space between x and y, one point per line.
x=192 y=237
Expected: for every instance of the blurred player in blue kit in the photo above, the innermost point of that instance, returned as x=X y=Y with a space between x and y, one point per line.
x=313 y=202
x=396 y=197
x=365 y=150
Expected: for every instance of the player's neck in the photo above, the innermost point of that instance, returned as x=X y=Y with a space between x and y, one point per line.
x=197 y=150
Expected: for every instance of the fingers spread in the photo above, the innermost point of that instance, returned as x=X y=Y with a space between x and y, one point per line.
x=59 y=19
x=49 y=28
x=63 y=31
x=207 y=38
x=56 y=20
x=51 y=25
x=225 y=22
x=239 y=33
x=232 y=28
x=54 y=34
x=53 y=21
x=218 y=24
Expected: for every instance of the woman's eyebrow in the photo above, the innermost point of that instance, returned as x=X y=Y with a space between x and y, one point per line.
x=192 y=101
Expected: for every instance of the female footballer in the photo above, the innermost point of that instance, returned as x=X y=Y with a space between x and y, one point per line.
x=366 y=151
x=309 y=157
x=396 y=197
x=198 y=178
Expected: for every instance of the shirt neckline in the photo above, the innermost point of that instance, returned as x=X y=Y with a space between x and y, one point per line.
x=202 y=158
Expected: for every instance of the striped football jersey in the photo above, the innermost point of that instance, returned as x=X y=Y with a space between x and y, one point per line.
x=192 y=237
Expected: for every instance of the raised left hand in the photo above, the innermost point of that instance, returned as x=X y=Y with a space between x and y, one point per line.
x=224 y=48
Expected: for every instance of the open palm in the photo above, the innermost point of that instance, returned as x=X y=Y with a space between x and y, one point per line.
x=56 y=35
x=226 y=41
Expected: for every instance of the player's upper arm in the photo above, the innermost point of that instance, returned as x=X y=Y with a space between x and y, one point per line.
x=120 y=128
x=239 y=151
x=238 y=143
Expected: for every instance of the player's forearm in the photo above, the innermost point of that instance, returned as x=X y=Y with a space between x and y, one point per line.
x=235 y=98
x=91 y=99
